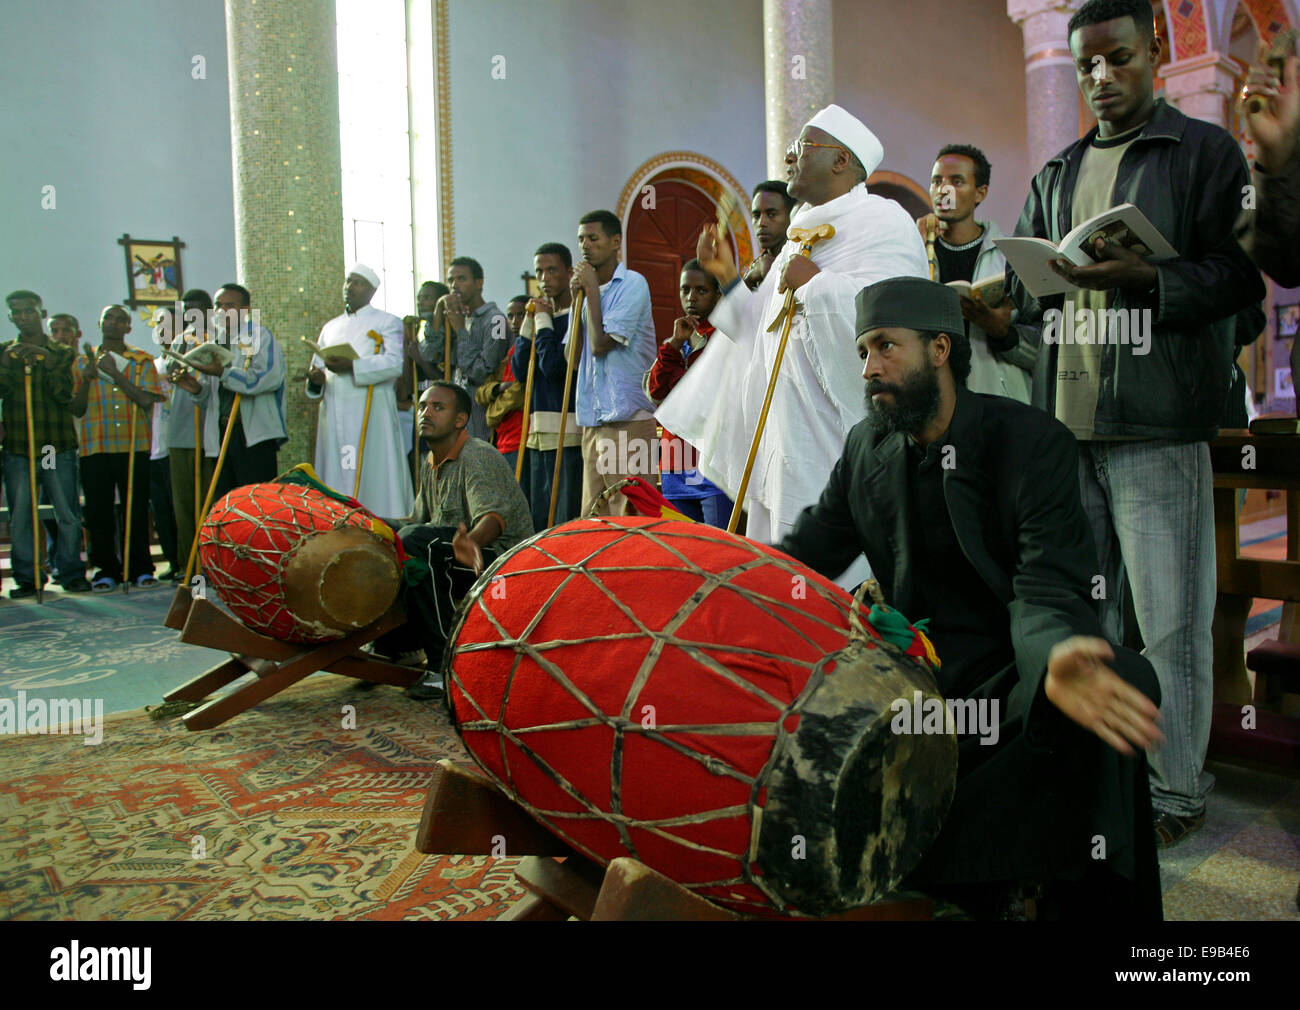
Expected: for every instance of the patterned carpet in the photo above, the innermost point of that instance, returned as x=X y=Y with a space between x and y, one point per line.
x=279 y=814
x=111 y=647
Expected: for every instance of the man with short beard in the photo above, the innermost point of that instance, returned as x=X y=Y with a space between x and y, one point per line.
x=1144 y=412
x=968 y=510
x=770 y=211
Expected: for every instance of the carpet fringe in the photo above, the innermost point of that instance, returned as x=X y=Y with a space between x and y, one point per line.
x=170 y=709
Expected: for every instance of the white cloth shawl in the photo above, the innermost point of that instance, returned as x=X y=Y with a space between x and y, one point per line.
x=819 y=393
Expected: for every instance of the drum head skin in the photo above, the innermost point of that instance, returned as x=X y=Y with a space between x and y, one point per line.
x=673 y=692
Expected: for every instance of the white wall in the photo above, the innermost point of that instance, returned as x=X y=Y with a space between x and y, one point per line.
x=926 y=73
x=592 y=89
x=99 y=102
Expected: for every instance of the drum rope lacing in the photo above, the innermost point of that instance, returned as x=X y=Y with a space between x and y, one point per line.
x=622 y=725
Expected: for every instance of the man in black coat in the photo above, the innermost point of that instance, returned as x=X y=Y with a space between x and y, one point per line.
x=967 y=508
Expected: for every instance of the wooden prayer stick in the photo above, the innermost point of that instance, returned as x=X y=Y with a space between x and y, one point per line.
x=212 y=486
x=528 y=399
x=130 y=493
x=37 y=578
x=198 y=466
x=446 y=354
x=575 y=349
x=415 y=433
x=806 y=237
x=361 y=452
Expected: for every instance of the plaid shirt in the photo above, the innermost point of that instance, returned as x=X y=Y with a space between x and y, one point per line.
x=51 y=396
x=107 y=424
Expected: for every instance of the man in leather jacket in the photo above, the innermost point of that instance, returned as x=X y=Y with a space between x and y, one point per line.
x=1144 y=411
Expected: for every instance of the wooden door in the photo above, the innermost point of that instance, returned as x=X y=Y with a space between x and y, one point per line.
x=661 y=238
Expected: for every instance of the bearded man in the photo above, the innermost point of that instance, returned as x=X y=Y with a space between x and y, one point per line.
x=967 y=507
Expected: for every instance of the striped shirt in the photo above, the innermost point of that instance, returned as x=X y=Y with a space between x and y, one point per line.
x=51 y=397
x=107 y=424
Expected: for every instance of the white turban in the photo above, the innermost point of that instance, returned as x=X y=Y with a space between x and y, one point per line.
x=852 y=133
x=363 y=271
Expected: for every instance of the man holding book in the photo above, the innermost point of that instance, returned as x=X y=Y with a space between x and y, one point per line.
x=1144 y=413
x=354 y=373
x=255 y=372
x=964 y=253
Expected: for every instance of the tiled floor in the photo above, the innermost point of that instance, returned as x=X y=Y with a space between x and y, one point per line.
x=1245 y=862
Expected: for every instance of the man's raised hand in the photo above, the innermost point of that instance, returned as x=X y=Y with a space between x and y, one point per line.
x=1275 y=126
x=584 y=279
x=715 y=256
x=1082 y=686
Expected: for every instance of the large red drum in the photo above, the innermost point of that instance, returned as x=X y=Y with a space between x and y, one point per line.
x=298 y=565
x=670 y=691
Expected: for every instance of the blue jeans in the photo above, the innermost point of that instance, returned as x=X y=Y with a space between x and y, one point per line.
x=60 y=485
x=714 y=510
x=1150 y=505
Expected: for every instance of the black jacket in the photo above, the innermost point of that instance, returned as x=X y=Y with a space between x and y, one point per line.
x=1013 y=499
x=1188 y=177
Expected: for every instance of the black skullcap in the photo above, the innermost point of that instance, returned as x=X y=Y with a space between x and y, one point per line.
x=912 y=303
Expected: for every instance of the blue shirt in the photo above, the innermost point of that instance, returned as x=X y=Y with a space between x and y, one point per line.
x=610 y=387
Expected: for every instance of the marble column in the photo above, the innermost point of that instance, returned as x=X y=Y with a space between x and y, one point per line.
x=798 y=77
x=1202 y=86
x=284 y=126
x=1051 y=89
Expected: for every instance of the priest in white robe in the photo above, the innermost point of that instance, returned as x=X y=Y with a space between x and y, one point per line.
x=818 y=395
x=341 y=386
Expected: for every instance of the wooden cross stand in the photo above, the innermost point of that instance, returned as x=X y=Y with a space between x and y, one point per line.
x=278 y=665
x=465 y=814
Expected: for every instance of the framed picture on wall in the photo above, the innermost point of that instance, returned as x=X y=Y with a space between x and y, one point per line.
x=1283 y=385
x=153 y=270
x=1288 y=320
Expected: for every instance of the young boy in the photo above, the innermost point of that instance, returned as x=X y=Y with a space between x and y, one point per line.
x=681 y=482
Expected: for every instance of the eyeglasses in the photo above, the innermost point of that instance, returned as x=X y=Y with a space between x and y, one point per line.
x=795 y=150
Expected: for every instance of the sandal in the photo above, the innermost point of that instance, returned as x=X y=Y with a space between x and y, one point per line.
x=145 y=580
x=104 y=584
x=1173 y=828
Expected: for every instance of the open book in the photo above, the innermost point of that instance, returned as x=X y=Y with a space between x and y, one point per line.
x=202 y=355
x=990 y=291
x=1124 y=225
x=344 y=351
x=119 y=360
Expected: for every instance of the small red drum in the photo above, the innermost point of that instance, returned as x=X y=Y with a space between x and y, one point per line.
x=670 y=691
x=298 y=565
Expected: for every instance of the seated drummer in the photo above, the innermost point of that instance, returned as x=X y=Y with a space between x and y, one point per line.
x=967 y=507
x=468 y=511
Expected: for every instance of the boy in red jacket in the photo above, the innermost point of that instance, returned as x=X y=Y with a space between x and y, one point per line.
x=682 y=483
